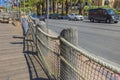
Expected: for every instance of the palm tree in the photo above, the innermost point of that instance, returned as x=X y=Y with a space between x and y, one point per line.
x=53 y=7
x=67 y=6
x=81 y=2
x=74 y=2
x=33 y=4
x=43 y=4
x=50 y=5
x=62 y=3
x=80 y=6
x=38 y=7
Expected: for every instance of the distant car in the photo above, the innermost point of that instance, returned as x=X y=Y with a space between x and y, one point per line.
x=40 y=17
x=75 y=17
x=55 y=16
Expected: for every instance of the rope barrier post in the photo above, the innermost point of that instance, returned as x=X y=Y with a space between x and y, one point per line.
x=71 y=35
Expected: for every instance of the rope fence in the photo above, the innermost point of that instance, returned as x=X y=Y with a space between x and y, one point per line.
x=64 y=60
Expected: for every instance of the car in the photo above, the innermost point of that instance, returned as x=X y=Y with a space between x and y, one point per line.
x=40 y=17
x=55 y=16
x=103 y=14
x=75 y=17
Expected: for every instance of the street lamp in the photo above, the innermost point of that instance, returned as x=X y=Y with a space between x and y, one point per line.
x=24 y=5
x=47 y=15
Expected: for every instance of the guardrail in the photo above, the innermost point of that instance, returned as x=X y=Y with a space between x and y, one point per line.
x=63 y=60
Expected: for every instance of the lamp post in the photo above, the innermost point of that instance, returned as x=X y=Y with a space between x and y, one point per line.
x=24 y=6
x=47 y=14
x=19 y=8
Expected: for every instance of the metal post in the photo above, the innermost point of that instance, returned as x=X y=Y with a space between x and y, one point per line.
x=47 y=15
x=24 y=5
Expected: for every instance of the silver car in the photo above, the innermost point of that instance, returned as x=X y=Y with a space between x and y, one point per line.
x=75 y=17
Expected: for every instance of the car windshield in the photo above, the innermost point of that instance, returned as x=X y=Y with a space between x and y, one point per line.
x=76 y=14
x=110 y=11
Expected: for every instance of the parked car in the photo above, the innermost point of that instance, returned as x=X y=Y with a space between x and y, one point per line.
x=55 y=16
x=103 y=14
x=40 y=17
x=75 y=17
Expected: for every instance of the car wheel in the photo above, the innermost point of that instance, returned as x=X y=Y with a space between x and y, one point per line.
x=116 y=22
x=108 y=21
x=81 y=19
x=69 y=18
x=91 y=20
x=75 y=19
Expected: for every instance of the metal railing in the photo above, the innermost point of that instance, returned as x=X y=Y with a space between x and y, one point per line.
x=65 y=61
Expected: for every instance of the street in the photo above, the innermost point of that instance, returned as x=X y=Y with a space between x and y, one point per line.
x=101 y=39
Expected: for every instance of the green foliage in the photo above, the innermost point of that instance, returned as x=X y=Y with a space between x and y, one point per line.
x=86 y=8
x=118 y=12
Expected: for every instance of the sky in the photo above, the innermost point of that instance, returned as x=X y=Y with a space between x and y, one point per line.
x=1 y=2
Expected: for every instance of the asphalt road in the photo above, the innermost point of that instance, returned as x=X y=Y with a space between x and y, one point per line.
x=101 y=39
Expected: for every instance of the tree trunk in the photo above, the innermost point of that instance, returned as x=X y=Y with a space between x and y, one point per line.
x=50 y=6
x=57 y=9
x=62 y=8
x=53 y=7
x=42 y=8
x=81 y=10
x=38 y=8
x=56 y=6
x=81 y=7
x=66 y=4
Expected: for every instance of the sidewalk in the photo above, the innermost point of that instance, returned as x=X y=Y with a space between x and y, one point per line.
x=14 y=65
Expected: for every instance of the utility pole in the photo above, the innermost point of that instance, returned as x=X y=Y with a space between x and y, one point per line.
x=47 y=14
x=19 y=8
x=24 y=5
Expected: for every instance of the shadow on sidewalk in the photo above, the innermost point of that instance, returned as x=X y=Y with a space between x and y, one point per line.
x=36 y=72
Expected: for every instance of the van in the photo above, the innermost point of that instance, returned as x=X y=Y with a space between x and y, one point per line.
x=103 y=14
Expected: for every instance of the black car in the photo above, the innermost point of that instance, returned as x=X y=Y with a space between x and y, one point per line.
x=103 y=14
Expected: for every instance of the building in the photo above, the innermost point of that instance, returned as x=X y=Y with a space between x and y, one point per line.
x=111 y=3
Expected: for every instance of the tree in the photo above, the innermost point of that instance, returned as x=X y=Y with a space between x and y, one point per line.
x=82 y=5
x=74 y=3
x=38 y=7
x=67 y=6
x=62 y=3
x=43 y=3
